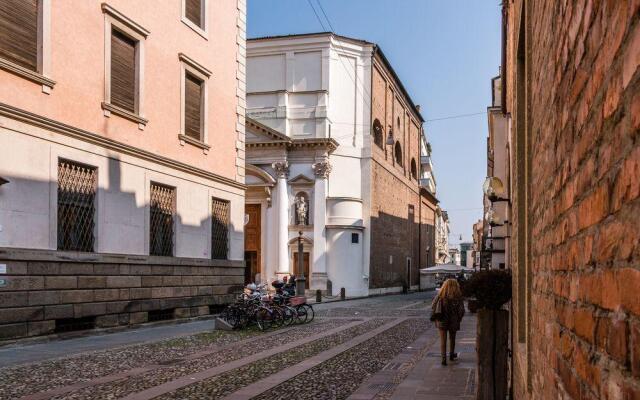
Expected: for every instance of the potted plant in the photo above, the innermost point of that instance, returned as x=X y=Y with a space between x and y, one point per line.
x=491 y=290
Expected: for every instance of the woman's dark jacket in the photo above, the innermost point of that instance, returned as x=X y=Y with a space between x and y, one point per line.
x=451 y=312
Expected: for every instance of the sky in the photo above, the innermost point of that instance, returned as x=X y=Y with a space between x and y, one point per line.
x=444 y=51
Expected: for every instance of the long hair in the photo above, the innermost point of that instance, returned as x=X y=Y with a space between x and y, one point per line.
x=450 y=290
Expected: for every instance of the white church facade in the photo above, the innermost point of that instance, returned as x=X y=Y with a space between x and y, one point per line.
x=309 y=155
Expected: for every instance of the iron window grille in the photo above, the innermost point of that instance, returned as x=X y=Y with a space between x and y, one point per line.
x=77 y=185
x=219 y=228
x=162 y=206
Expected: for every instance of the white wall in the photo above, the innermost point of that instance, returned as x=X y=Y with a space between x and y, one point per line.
x=28 y=204
x=345 y=263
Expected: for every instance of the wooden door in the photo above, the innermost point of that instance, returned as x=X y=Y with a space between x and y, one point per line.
x=305 y=263
x=252 y=244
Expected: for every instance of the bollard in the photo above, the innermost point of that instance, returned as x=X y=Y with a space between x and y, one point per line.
x=343 y=294
x=318 y=296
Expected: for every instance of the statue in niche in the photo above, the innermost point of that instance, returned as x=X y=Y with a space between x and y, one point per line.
x=302 y=211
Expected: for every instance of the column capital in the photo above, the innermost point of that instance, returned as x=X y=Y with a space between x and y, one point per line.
x=322 y=169
x=281 y=168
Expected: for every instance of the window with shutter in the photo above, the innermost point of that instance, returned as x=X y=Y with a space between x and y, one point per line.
x=19 y=32
x=193 y=12
x=123 y=71
x=193 y=106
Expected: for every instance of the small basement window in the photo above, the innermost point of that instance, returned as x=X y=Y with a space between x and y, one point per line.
x=161 y=315
x=75 y=324
x=355 y=238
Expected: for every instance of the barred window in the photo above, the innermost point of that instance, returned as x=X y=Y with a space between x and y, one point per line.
x=163 y=205
x=219 y=228
x=77 y=185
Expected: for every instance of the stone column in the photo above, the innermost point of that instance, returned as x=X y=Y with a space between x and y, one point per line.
x=281 y=169
x=319 y=270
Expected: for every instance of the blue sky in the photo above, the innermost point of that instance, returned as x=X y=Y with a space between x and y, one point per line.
x=444 y=51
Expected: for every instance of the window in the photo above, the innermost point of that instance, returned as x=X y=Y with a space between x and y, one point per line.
x=194 y=15
x=219 y=228
x=194 y=103
x=398 y=154
x=398 y=122
x=123 y=71
x=162 y=208
x=355 y=238
x=414 y=169
x=193 y=106
x=377 y=133
x=24 y=39
x=76 y=206
x=124 y=68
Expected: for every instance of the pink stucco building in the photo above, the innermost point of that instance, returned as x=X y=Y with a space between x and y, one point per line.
x=122 y=141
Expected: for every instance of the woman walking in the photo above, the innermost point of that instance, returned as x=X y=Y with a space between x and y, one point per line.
x=447 y=311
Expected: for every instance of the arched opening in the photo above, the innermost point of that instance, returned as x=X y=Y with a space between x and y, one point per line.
x=301 y=209
x=414 y=169
x=398 y=122
x=378 y=133
x=398 y=153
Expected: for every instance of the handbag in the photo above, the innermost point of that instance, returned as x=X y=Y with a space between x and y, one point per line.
x=436 y=312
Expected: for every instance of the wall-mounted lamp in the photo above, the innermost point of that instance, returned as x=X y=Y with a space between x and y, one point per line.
x=493 y=218
x=494 y=189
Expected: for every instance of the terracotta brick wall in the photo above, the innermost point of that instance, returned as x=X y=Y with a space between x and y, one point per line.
x=583 y=308
x=395 y=229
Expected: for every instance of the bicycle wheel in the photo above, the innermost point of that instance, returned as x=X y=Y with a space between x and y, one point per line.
x=301 y=312
x=278 y=317
x=264 y=318
x=231 y=316
x=310 y=313
x=290 y=315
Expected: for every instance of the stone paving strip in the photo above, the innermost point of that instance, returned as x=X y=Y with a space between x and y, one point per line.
x=291 y=371
x=339 y=376
x=179 y=376
x=359 y=313
x=36 y=377
x=280 y=366
x=380 y=386
x=173 y=369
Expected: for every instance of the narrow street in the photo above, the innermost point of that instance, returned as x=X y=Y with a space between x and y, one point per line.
x=376 y=348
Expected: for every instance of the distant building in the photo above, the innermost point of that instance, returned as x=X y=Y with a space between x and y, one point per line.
x=466 y=256
x=454 y=256
x=442 y=236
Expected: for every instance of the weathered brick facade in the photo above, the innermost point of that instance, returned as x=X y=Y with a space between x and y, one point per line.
x=402 y=220
x=45 y=287
x=573 y=93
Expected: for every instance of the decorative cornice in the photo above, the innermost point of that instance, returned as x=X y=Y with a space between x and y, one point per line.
x=322 y=169
x=281 y=169
x=76 y=133
x=194 y=64
x=26 y=73
x=115 y=14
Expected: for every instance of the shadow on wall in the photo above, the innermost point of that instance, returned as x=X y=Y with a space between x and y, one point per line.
x=399 y=248
x=121 y=219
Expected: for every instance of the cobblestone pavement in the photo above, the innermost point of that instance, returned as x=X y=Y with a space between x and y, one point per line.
x=367 y=348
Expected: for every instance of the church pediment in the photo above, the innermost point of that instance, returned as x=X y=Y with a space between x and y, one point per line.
x=256 y=132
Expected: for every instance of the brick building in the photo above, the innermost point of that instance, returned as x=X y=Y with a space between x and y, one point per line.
x=122 y=141
x=572 y=91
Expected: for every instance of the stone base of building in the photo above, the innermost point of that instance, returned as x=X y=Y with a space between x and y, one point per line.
x=50 y=291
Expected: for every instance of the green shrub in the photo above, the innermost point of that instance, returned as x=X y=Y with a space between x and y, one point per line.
x=491 y=288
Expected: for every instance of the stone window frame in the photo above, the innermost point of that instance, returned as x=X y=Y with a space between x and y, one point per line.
x=188 y=65
x=113 y=19
x=202 y=31
x=42 y=75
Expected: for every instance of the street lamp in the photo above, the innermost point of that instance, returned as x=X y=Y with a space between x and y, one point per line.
x=494 y=189
x=493 y=218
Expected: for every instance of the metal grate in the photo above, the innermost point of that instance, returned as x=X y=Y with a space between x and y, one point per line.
x=219 y=228
x=161 y=226
x=76 y=198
